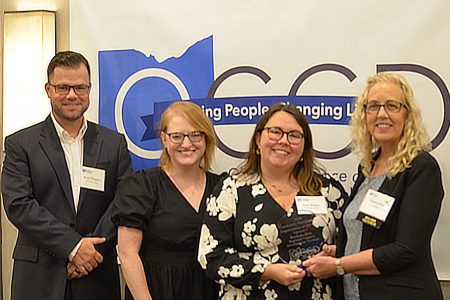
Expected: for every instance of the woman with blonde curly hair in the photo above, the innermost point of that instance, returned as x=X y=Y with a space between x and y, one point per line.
x=383 y=246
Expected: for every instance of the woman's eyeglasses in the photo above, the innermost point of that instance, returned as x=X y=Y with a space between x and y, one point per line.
x=178 y=137
x=389 y=106
x=294 y=137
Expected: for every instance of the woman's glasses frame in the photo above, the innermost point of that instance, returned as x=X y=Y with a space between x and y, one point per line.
x=178 y=137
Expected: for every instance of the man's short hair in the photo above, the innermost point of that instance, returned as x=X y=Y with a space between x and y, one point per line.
x=69 y=60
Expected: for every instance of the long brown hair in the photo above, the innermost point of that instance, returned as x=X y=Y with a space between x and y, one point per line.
x=306 y=171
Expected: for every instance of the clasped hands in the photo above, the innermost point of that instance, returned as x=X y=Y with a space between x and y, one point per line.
x=323 y=264
x=86 y=259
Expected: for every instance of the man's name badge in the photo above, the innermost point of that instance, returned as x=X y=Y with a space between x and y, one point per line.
x=307 y=205
x=93 y=178
x=374 y=208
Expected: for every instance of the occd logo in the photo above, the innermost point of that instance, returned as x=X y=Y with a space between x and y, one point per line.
x=350 y=75
x=131 y=83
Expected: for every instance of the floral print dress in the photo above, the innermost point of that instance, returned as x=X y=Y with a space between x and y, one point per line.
x=239 y=238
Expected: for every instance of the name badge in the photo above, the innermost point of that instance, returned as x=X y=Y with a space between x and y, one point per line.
x=374 y=208
x=307 y=205
x=93 y=178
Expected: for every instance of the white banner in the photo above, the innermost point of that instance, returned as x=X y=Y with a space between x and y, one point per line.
x=237 y=57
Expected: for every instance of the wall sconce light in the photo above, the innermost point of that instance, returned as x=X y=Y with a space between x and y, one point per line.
x=29 y=44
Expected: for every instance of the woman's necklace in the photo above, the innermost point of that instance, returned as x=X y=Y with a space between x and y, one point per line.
x=282 y=193
x=284 y=188
x=279 y=188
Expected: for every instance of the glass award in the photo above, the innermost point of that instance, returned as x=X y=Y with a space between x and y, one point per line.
x=300 y=239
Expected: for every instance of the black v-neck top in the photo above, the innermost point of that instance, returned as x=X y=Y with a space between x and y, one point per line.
x=150 y=201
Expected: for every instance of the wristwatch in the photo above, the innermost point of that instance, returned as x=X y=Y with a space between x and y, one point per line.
x=339 y=268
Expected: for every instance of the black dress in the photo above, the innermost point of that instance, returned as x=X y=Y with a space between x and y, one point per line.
x=149 y=201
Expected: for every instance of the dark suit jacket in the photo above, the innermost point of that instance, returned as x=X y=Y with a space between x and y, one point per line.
x=38 y=200
x=402 y=245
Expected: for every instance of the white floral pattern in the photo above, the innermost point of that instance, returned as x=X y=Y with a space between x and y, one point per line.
x=212 y=207
x=319 y=292
x=240 y=237
x=206 y=245
x=249 y=228
x=270 y=295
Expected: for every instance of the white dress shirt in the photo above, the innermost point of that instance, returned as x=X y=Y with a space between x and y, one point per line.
x=73 y=152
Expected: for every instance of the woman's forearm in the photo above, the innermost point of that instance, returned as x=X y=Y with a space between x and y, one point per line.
x=323 y=266
x=129 y=245
x=360 y=263
x=134 y=274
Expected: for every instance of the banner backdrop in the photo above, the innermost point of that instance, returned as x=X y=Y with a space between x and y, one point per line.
x=235 y=58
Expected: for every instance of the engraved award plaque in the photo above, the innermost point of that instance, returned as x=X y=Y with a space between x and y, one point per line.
x=300 y=239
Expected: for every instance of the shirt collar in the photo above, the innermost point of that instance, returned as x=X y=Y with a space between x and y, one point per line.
x=63 y=134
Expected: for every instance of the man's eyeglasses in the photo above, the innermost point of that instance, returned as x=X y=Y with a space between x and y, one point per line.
x=178 y=137
x=64 y=89
x=389 y=106
x=294 y=137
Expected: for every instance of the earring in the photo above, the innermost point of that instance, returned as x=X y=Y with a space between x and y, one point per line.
x=257 y=151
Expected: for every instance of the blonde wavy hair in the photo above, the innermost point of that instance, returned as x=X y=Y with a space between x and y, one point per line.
x=197 y=118
x=413 y=141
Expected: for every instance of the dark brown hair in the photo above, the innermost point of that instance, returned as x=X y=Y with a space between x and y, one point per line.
x=306 y=171
x=69 y=60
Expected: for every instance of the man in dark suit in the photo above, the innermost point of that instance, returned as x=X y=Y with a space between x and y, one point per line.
x=58 y=181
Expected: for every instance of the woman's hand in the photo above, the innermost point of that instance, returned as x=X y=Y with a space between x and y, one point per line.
x=321 y=266
x=284 y=274
x=327 y=250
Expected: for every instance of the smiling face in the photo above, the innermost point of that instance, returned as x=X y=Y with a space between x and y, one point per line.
x=186 y=153
x=386 y=127
x=68 y=109
x=279 y=155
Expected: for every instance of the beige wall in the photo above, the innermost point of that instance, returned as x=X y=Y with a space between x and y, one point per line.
x=1 y=134
x=62 y=15
x=8 y=232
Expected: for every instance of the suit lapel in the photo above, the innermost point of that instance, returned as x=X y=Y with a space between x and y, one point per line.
x=91 y=153
x=52 y=147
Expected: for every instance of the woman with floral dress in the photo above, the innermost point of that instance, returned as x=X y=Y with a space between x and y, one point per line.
x=240 y=243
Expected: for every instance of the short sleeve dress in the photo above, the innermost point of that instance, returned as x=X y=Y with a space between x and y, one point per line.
x=149 y=200
x=240 y=237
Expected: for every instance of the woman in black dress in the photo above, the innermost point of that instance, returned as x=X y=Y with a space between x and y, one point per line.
x=159 y=211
